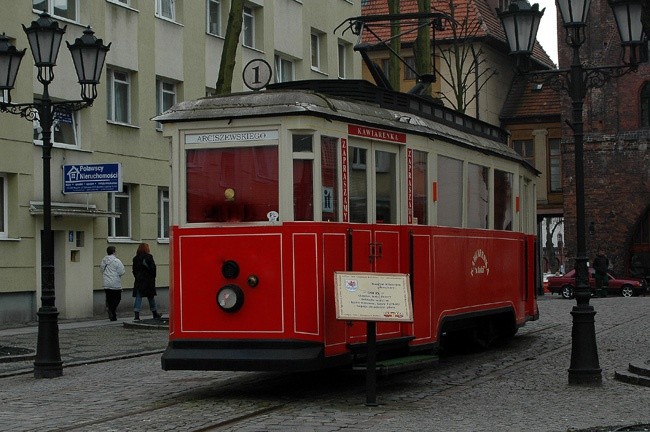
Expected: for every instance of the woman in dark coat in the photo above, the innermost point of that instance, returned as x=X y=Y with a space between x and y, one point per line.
x=144 y=270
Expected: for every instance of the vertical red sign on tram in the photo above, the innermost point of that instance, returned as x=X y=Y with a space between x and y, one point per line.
x=344 y=177
x=409 y=184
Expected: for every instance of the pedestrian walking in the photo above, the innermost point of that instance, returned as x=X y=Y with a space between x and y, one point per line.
x=601 y=266
x=112 y=271
x=144 y=270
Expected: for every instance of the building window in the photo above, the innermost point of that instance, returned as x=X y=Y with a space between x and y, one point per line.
x=120 y=202
x=555 y=165
x=64 y=129
x=214 y=17
x=3 y=205
x=165 y=97
x=163 y=213
x=249 y=27
x=119 y=96
x=525 y=149
x=284 y=69
x=66 y=9
x=316 y=40
x=409 y=68
x=385 y=67
x=645 y=105
x=343 y=62
x=166 y=9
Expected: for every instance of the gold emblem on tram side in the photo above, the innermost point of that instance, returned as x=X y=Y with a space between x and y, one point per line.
x=479 y=264
x=229 y=194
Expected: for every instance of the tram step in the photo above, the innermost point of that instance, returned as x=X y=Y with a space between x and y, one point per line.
x=400 y=364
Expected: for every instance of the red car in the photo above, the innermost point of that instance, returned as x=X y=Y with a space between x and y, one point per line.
x=565 y=285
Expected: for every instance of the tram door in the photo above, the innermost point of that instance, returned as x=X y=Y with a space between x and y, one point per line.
x=374 y=179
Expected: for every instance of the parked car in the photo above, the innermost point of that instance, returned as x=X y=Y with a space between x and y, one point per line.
x=565 y=284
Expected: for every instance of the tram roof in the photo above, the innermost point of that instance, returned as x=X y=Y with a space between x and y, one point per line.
x=399 y=112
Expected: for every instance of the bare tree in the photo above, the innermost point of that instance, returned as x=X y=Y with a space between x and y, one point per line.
x=422 y=48
x=467 y=66
x=395 y=44
x=552 y=224
x=645 y=17
x=231 y=41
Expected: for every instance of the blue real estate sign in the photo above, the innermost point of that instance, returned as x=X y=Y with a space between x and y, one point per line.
x=92 y=178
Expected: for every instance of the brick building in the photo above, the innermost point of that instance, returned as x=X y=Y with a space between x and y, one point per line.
x=616 y=157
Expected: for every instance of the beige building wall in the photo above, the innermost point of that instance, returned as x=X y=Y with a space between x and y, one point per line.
x=148 y=47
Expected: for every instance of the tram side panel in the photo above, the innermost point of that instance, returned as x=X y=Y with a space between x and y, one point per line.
x=477 y=273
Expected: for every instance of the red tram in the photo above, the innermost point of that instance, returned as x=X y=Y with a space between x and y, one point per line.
x=275 y=191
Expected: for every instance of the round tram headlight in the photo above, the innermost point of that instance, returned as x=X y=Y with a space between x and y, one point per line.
x=230 y=269
x=230 y=298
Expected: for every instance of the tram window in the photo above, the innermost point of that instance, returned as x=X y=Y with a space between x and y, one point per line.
x=232 y=184
x=478 y=203
x=420 y=189
x=386 y=187
x=358 y=184
x=450 y=191
x=303 y=190
x=329 y=172
x=503 y=200
x=302 y=143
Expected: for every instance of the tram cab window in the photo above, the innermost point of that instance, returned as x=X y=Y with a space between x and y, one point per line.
x=329 y=162
x=303 y=177
x=232 y=184
x=503 y=214
x=450 y=192
x=358 y=184
x=478 y=201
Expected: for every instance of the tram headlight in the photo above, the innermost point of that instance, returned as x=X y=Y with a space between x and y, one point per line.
x=230 y=269
x=230 y=298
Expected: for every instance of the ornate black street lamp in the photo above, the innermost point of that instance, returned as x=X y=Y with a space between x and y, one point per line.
x=520 y=23
x=88 y=55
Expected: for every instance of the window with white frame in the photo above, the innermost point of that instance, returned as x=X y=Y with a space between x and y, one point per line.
x=165 y=97
x=315 y=50
x=248 y=29
x=163 y=213
x=214 y=17
x=120 y=202
x=66 y=9
x=65 y=132
x=343 y=60
x=284 y=69
x=3 y=205
x=166 y=9
x=119 y=96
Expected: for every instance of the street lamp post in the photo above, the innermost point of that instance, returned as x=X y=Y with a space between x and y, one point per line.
x=88 y=55
x=520 y=23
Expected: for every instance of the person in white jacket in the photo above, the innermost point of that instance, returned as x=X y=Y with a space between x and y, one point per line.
x=112 y=271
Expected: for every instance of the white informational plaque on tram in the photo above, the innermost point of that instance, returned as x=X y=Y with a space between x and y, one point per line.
x=362 y=296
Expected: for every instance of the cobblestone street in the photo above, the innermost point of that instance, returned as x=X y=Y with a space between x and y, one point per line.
x=113 y=382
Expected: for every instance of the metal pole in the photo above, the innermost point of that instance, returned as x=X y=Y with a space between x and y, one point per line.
x=584 y=367
x=47 y=363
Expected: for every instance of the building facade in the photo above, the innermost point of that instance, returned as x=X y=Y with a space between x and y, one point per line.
x=616 y=156
x=161 y=52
